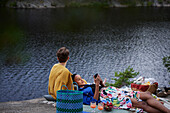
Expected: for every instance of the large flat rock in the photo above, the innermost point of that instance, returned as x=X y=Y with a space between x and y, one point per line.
x=27 y=106
x=39 y=105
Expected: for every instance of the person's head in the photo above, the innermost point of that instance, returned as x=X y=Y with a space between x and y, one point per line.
x=63 y=54
x=77 y=78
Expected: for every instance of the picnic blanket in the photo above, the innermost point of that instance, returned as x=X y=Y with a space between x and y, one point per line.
x=120 y=98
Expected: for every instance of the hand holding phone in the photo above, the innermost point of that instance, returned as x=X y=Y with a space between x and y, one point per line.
x=95 y=75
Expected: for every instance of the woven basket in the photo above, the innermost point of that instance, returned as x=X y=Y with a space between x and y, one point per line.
x=151 y=88
x=69 y=101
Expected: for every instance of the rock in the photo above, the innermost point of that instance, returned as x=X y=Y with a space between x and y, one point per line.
x=32 y=6
x=166 y=5
x=61 y=3
x=21 y=5
x=27 y=106
x=145 y=4
x=47 y=4
x=40 y=6
x=157 y=5
x=116 y=4
x=138 y=5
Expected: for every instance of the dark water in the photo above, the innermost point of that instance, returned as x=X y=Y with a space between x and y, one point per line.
x=100 y=41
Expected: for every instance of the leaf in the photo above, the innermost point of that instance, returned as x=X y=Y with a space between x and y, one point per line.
x=123 y=77
x=120 y=73
x=115 y=79
x=116 y=74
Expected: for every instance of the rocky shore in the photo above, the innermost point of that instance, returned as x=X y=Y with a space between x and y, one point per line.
x=39 y=106
x=85 y=3
x=27 y=106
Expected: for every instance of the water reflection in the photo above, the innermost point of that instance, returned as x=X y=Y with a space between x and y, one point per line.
x=12 y=42
x=100 y=41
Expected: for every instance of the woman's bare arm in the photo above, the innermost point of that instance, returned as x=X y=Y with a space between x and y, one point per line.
x=97 y=82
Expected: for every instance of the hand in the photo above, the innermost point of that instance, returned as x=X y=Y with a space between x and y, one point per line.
x=97 y=80
x=100 y=78
x=101 y=81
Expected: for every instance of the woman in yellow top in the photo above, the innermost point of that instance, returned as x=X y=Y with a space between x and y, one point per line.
x=59 y=74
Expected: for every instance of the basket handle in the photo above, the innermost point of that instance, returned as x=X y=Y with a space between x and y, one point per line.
x=73 y=84
x=64 y=86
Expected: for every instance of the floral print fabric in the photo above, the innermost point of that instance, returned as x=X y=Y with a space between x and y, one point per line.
x=120 y=98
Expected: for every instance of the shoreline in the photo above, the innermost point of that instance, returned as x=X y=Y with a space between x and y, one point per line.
x=39 y=4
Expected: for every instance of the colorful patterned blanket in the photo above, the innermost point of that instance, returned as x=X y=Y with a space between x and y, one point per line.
x=120 y=98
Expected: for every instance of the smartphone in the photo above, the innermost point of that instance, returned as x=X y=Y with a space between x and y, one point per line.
x=95 y=75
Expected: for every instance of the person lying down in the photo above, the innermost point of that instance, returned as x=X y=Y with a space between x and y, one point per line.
x=120 y=99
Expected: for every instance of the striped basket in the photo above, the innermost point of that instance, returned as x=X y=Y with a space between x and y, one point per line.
x=69 y=101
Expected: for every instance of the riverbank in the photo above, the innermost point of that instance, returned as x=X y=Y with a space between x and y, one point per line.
x=82 y=3
x=39 y=106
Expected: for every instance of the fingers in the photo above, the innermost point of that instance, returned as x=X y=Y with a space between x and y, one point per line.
x=104 y=81
x=98 y=78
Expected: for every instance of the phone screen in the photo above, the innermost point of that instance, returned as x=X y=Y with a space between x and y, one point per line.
x=95 y=75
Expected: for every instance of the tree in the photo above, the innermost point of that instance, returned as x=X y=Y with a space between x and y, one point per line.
x=123 y=77
x=166 y=62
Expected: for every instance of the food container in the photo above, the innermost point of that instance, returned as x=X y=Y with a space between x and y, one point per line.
x=151 y=88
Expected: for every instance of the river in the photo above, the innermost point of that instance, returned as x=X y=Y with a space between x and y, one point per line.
x=100 y=41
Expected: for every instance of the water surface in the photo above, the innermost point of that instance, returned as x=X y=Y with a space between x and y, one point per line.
x=100 y=41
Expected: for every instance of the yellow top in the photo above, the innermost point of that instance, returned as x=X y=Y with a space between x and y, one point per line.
x=85 y=81
x=59 y=76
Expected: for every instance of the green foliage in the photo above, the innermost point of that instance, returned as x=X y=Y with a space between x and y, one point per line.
x=99 y=4
x=74 y=4
x=133 y=3
x=10 y=37
x=13 y=4
x=53 y=4
x=128 y=2
x=90 y=4
x=41 y=1
x=12 y=44
x=3 y=2
x=160 y=1
x=166 y=62
x=123 y=77
x=149 y=3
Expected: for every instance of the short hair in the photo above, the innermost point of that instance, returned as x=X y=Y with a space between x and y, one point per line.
x=73 y=76
x=62 y=54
